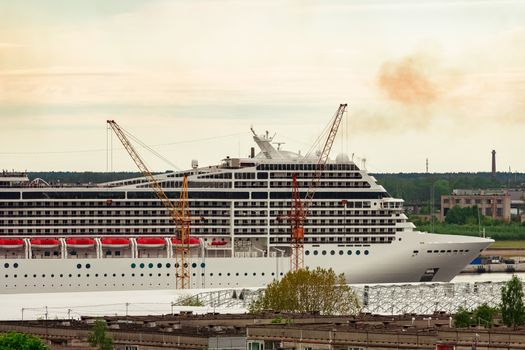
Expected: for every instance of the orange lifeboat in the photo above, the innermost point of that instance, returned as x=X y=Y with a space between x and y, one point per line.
x=11 y=243
x=44 y=243
x=217 y=243
x=115 y=242
x=190 y=241
x=80 y=242
x=150 y=242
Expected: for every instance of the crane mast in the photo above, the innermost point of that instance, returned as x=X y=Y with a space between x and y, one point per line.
x=299 y=210
x=178 y=213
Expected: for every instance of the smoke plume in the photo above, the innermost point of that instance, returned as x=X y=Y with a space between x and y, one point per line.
x=408 y=82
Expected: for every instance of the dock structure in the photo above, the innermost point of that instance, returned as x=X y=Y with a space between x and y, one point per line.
x=387 y=299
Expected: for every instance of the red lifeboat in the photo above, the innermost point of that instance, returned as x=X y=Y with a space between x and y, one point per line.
x=80 y=242
x=190 y=241
x=44 y=243
x=217 y=243
x=11 y=243
x=150 y=242
x=115 y=242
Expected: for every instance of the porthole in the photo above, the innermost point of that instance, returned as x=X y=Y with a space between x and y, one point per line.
x=220 y=274
x=366 y=252
x=105 y=275
x=133 y=265
x=316 y=252
x=159 y=274
x=43 y=276
x=15 y=265
x=228 y=274
x=255 y=274
x=78 y=275
x=88 y=266
x=25 y=276
x=324 y=252
x=341 y=252
x=141 y=265
x=169 y=274
x=357 y=252
x=307 y=252
x=203 y=265
x=52 y=276
x=349 y=252
x=6 y=265
x=132 y=275
x=332 y=252
x=150 y=265
x=34 y=276
x=87 y=275
x=123 y=274
x=61 y=275
x=246 y=274
x=194 y=265
x=150 y=275
x=168 y=265
x=176 y=265
x=281 y=273
x=96 y=275
x=114 y=275
x=6 y=276
x=159 y=265
x=79 y=266
x=211 y=273
x=141 y=275
x=236 y=274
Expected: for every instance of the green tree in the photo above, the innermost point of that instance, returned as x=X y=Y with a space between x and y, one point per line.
x=21 y=341
x=98 y=337
x=512 y=311
x=462 y=318
x=306 y=291
x=484 y=315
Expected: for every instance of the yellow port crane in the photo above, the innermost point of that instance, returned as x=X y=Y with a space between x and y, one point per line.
x=179 y=212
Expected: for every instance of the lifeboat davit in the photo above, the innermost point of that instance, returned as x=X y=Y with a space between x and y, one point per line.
x=11 y=243
x=115 y=242
x=150 y=242
x=188 y=242
x=216 y=243
x=80 y=242
x=44 y=243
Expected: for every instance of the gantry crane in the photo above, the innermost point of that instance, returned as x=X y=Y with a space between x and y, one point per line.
x=179 y=213
x=299 y=210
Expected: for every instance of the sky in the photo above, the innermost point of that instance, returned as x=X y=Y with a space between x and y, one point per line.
x=443 y=80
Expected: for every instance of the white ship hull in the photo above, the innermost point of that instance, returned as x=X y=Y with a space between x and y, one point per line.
x=389 y=264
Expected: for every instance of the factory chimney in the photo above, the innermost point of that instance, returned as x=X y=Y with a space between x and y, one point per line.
x=493 y=163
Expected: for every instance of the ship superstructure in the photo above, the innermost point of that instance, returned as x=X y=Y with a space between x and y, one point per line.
x=117 y=235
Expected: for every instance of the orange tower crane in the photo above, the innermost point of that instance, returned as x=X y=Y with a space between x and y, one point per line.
x=179 y=213
x=299 y=210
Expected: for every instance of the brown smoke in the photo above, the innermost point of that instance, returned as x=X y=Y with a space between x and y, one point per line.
x=407 y=82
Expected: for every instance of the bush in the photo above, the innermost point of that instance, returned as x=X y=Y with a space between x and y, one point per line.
x=21 y=341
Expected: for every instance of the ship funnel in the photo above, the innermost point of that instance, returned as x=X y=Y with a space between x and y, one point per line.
x=194 y=163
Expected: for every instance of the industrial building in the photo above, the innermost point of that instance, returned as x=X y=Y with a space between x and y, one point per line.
x=494 y=203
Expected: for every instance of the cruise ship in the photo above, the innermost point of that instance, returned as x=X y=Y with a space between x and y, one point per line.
x=118 y=235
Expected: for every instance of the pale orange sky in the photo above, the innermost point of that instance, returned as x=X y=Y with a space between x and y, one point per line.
x=443 y=80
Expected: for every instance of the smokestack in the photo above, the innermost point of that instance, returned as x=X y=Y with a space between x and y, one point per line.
x=493 y=163
x=252 y=152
